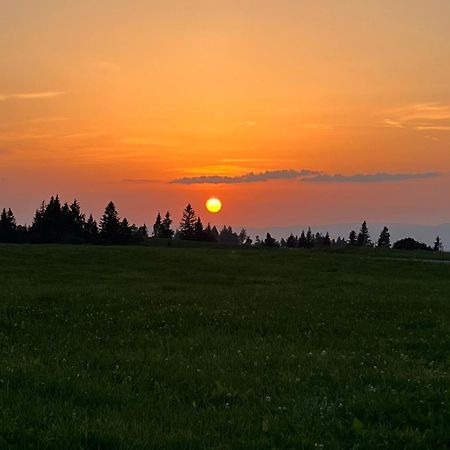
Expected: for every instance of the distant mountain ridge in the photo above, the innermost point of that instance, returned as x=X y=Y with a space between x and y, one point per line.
x=423 y=233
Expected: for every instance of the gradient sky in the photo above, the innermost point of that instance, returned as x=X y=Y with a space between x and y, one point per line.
x=341 y=108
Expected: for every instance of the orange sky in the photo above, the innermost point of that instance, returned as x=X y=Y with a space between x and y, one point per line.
x=115 y=99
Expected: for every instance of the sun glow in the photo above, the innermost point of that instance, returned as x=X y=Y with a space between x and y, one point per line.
x=213 y=205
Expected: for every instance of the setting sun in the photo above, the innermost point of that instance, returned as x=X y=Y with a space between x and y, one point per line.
x=213 y=205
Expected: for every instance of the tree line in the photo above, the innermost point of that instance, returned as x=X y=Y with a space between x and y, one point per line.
x=56 y=222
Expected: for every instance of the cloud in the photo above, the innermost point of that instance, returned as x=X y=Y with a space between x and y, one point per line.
x=32 y=95
x=433 y=127
x=302 y=175
x=420 y=117
x=251 y=177
x=371 y=178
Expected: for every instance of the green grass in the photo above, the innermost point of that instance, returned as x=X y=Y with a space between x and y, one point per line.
x=133 y=348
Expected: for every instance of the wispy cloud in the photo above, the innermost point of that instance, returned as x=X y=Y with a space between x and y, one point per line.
x=303 y=175
x=32 y=95
x=251 y=177
x=371 y=178
x=420 y=116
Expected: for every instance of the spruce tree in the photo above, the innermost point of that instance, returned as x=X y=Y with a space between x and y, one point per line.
x=157 y=227
x=384 y=241
x=363 y=236
x=309 y=239
x=126 y=231
x=187 y=225
x=438 y=247
x=291 y=241
x=77 y=219
x=110 y=226
x=198 y=230
x=302 y=242
x=8 y=226
x=91 y=230
x=270 y=241
x=352 y=238
x=166 y=227
x=243 y=236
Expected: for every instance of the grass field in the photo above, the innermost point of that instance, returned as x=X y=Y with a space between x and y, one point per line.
x=133 y=348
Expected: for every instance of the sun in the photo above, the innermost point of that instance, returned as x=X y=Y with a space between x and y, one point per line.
x=213 y=205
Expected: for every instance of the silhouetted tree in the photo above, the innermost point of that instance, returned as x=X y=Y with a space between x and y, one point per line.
x=340 y=242
x=166 y=227
x=49 y=222
x=158 y=227
x=211 y=234
x=352 y=238
x=198 y=230
x=302 y=241
x=138 y=234
x=243 y=236
x=110 y=226
x=8 y=226
x=326 y=240
x=269 y=241
x=363 y=236
x=410 y=244
x=77 y=220
x=126 y=232
x=309 y=239
x=187 y=225
x=291 y=241
x=437 y=247
x=215 y=233
x=384 y=241
x=228 y=236
x=91 y=230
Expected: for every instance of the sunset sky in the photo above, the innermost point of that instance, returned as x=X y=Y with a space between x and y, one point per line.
x=339 y=108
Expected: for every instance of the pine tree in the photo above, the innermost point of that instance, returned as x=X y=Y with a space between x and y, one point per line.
x=228 y=236
x=384 y=241
x=126 y=232
x=157 y=227
x=326 y=240
x=91 y=230
x=363 y=236
x=110 y=226
x=215 y=234
x=198 y=230
x=270 y=241
x=309 y=239
x=291 y=241
x=438 y=247
x=8 y=226
x=243 y=236
x=352 y=238
x=166 y=230
x=302 y=242
x=187 y=225
x=77 y=219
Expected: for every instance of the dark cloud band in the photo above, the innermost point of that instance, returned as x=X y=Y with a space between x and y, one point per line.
x=251 y=177
x=302 y=175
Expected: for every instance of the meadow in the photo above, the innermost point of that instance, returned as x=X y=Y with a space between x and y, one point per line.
x=201 y=348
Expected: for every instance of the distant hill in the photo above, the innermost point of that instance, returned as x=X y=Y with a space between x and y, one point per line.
x=423 y=233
